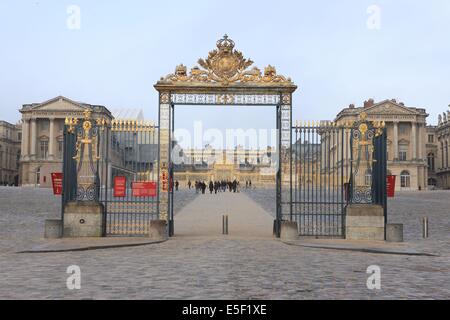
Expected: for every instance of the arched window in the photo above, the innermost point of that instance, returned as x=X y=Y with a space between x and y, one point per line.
x=431 y=166
x=38 y=176
x=405 y=179
x=368 y=177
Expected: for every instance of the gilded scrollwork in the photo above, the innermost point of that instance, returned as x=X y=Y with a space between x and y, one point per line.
x=226 y=65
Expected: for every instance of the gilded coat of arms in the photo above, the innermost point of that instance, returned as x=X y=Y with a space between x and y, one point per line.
x=226 y=65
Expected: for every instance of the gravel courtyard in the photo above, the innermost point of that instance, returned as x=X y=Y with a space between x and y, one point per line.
x=220 y=267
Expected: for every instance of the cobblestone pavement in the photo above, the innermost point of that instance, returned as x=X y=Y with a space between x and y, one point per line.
x=218 y=267
x=24 y=211
x=407 y=208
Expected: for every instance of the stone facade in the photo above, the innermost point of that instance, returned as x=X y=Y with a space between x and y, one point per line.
x=10 y=137
x=432 y=154
x=406 y=135
x=442 y=151
x=42 y=137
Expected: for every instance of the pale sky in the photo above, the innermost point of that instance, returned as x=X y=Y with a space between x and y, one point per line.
x=123 y=47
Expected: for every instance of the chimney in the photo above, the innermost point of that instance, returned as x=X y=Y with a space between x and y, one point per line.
x=369 y=103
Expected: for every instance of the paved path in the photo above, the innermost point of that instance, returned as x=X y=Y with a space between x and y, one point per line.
x=203 y=217
x=204 y=264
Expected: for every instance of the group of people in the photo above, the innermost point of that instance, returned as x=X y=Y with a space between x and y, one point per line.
x=215 y=186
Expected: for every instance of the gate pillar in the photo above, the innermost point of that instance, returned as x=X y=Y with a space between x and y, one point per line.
x=164 y=156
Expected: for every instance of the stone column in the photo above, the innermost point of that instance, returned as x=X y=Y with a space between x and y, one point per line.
x=413 y=141
x=422 y=133
x=25 y=143
x=51 y=142
x=395 y=141
x=33 y=139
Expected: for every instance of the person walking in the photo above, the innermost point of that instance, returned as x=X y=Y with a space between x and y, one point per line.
x=211 y=187
x=203 y=187
x=189 y=184
x=216 y=186
x=177 y=184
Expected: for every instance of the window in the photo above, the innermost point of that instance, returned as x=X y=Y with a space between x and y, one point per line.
x=402 y=152
x=18 y=160
x=403 y=128
x=368 y=177
x=430 y=138
x=19 y=136
x=402 y=156
x=446 y=154
x=44 y=149
x=405 y=179
x=60 y=148
x=431 y=161
x=44 y=124
x=1 y=157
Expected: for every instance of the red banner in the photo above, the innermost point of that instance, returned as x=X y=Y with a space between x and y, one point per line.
x=391 y=186
x=144 y=189
x=57 y=178
x=120 y=187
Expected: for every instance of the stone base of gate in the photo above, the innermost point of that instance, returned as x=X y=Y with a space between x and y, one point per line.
x=289 y=230
x=53 y=229
x=83 y=219
x=365 y=222
x=158 y=230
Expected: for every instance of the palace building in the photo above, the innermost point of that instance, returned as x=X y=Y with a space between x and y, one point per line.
x=238 y=163
x=29 y=152
x=10 y=138
x=42 y=137
x=406 y=139
x=442 y=134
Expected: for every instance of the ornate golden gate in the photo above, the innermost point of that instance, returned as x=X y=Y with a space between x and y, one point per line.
x=224 y=78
